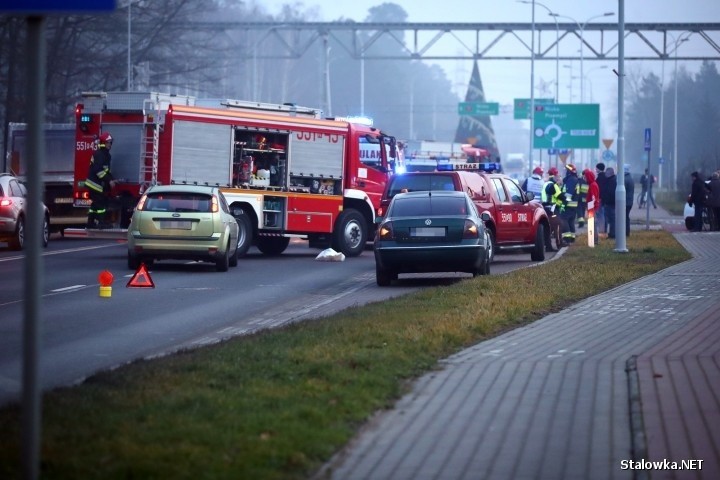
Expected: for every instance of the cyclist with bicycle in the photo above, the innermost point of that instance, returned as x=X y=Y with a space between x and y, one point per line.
x=646 y=195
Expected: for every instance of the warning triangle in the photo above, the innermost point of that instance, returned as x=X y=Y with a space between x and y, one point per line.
x=607 y=142
x=141 y=279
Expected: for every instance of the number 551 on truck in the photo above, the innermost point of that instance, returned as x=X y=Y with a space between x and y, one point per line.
x=284 y=170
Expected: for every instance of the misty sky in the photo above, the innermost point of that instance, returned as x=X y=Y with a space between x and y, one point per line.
x=504 y=81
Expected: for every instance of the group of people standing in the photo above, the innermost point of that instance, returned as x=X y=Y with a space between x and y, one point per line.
x=567 y=198
x=607 y=182
x=705 y=195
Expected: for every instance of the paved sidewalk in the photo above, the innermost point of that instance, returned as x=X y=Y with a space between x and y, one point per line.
x=630 y=374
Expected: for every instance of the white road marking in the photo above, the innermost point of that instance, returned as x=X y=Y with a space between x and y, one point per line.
x=65 y=289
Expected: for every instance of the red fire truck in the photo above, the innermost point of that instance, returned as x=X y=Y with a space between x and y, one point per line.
x=284 y=170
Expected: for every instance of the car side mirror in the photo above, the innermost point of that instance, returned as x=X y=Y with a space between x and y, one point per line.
x=485 y=216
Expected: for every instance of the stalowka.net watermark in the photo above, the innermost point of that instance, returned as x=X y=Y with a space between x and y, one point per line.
x=664 y=464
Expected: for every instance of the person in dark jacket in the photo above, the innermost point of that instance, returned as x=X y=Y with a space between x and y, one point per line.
x=607 y=197
x=571 y=190
x=713 y=201
x=99 y=181
x=629 y=195
x=698 y=194
x=601 y=179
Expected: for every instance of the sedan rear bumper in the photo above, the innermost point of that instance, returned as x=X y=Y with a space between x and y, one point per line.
x=425 y=259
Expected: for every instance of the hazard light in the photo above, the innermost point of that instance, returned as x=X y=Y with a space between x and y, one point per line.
x=487 y=167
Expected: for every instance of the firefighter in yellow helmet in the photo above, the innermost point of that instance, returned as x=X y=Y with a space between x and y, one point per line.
x=99 y=182
x=571 y=191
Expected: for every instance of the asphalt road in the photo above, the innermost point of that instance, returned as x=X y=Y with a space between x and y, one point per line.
x=191 y=305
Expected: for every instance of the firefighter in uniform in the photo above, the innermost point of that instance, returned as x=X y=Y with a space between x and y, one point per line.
x=553 y=201
x=99 y=182
x=534 y=183
x=582 y=205
x=571 y=191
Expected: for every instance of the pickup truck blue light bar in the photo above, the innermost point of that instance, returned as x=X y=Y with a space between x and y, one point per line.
x=488 y=167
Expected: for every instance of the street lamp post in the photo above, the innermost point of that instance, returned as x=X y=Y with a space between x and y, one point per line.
x=582 y=49
x=675 y=134
x=532 y=86
x=557 y=46
x=662 y=105
x=129 y=61
x=570 y=83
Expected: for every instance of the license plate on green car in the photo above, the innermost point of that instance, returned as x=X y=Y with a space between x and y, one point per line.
x=175 y=224
x=427 y=232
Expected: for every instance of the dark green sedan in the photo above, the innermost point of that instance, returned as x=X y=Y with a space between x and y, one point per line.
x=426 y=232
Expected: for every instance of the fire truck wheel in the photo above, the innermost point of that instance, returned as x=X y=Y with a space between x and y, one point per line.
x=350 y=233
x=272 y=245
x=538 y=252
x=245 y=233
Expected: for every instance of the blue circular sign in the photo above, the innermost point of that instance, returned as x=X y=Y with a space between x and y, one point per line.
x=608 y=155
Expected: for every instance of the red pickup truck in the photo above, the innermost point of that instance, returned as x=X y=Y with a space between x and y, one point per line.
x=516 y=223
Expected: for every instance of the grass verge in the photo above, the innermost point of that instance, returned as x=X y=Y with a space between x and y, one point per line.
x=278 y=404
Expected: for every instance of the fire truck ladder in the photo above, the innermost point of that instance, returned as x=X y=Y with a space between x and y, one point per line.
x=150 y=140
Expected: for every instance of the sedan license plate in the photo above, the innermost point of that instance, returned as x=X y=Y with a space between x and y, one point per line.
x=176 y=224
x=427 y=232
x=63 y=200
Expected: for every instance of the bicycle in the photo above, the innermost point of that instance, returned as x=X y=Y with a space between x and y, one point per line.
x=641 y=200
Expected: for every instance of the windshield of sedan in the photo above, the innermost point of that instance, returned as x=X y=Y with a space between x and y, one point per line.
x=178 y=202
x=428 y=206
x=420 y=183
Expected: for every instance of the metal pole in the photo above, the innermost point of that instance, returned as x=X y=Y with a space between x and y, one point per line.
x=557 y=60
x=675 y=128
x=532 y=91
x=32 y=306
x=129 y=63
x=362 y=85
x=662 y=109
x=620 y=202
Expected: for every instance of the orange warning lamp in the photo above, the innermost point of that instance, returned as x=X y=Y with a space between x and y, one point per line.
x=106 y=279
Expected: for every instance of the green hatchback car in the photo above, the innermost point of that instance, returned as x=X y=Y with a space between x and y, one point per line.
x=437 y=231
x=183 y=222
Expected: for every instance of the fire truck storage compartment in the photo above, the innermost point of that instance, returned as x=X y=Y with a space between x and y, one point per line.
x=273 y=211
x=202 y=152
x=260 y=152
x=317 y=162
x=126 y=151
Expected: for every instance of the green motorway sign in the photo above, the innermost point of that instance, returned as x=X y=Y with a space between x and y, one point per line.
x=478 y=108
x=521 y=107
x=567 y=126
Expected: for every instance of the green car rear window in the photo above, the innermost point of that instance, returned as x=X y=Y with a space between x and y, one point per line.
x=179 y=202
x=420 y=183
x=428 y=206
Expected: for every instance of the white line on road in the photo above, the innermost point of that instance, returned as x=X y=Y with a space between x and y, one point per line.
x=57 y=252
